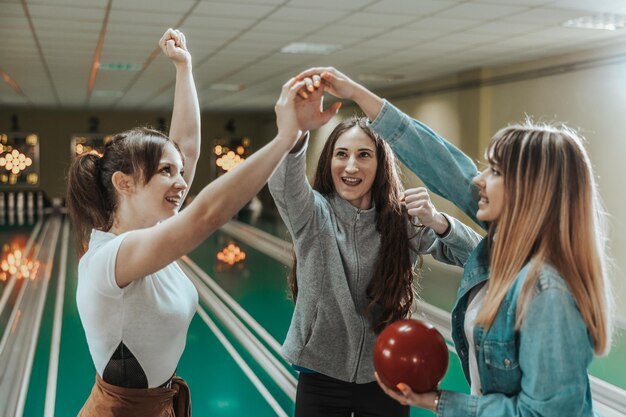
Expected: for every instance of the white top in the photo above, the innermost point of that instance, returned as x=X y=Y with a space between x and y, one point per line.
x=477 y=297
x=150 y=315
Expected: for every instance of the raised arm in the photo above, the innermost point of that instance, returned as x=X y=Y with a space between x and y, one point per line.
x=148 y=250
x=185 y=126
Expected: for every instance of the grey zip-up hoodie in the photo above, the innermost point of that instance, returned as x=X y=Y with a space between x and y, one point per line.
x=337 y=246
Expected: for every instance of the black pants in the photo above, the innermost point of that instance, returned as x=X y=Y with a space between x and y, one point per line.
x=322 y=396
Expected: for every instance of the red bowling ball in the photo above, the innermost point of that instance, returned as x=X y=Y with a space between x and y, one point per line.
x=412 y=352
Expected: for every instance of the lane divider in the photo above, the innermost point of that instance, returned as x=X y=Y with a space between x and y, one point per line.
x=242 y=363
x=272 y=366
x=41 y=302
x=55 y=343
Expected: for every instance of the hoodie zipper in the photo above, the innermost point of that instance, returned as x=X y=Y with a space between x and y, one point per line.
x=356 y=257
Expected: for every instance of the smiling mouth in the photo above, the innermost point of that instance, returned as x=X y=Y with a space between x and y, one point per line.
x=483 y=200
x=351 y=181
x=173 y=200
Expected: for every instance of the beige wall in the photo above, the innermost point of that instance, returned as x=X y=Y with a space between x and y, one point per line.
x=56 y=127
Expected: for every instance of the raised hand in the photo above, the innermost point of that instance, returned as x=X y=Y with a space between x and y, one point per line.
x=418 y=205
x=310 y=109
x=332 y=80
x=289 y=127
x=174 y=46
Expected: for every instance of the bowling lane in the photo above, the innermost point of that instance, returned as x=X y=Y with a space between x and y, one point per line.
x=260 y=287
x=257 y=283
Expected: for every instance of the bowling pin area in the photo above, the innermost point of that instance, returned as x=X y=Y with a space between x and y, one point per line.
x=20 y=207
x=231 y=361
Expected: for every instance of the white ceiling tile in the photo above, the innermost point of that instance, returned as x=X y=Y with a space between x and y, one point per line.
x=295 y=28
x=179 y=7
x=232 y=9
x=544 y=16
x=12 y=9
x=443 y=24
x=333 y=4
x=501 y=28
x=306 y=14
x=47 y=11
x=378 y=19
x=163 y=20
x=533 y=3
x=219 y=23
x=73 y=3
x=480 y=11
x=412 y=7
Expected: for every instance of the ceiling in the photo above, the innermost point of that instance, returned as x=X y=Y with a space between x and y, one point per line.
x=49 y=47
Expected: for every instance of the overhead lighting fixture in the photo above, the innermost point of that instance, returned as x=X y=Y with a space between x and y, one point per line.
x=107 y=93
x=604 y=21
x=380 y=77
x=309 y=48
x=226 y=87
x=119 y=67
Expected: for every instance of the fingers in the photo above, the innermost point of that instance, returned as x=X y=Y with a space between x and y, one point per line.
x=392 y=393
x=314 y=71
x=174 y=35
x=290 y=89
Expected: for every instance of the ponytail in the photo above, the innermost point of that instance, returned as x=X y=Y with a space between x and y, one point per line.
x=88 y=204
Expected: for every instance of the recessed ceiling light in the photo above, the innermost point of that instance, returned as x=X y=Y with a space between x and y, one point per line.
x=380 y=77
x=309 y=48
x=119 y=67
x=107 y=93
x=226 y=87
x=604 y=21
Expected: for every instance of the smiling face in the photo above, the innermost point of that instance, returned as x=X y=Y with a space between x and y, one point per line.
x=353 y=167
x=162 y=196
x=490 y=184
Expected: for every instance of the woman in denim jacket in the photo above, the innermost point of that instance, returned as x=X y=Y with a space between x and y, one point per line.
x=533 y=304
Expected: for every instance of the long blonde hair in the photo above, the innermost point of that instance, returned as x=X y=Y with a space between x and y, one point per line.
x=551 y=214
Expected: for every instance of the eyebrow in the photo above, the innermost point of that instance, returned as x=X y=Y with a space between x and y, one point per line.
x=361 y=149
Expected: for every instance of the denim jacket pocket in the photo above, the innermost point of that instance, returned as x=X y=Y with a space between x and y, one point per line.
x=502 y=367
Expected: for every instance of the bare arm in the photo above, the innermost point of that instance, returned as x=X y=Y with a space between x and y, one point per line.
x=145 y=251
x=185 y=127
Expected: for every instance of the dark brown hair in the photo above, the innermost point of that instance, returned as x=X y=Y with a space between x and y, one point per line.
x=91 y=196
x=390 y=290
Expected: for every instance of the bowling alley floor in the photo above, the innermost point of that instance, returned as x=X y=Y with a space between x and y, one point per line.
x=230 y=361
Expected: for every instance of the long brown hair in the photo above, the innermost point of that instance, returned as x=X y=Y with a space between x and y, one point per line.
x=551 y=214
x=91 y=196
x=390 y=290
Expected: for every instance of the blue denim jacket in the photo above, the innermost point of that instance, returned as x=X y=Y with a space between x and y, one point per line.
x=538 y=370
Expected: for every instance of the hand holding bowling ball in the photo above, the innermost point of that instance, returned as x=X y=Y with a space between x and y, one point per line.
x=411 y=352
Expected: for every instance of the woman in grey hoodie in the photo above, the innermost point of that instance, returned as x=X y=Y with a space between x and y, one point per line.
x=356 y=249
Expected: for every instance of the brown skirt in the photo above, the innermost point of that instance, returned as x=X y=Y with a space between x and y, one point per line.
x=108 y=400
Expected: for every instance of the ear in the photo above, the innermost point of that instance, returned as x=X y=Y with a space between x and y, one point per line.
x=124 y=184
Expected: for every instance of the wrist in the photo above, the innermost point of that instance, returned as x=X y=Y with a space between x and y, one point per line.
x=442 y=225
x=436 y=400
x=288 y=140
x=183 y=65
